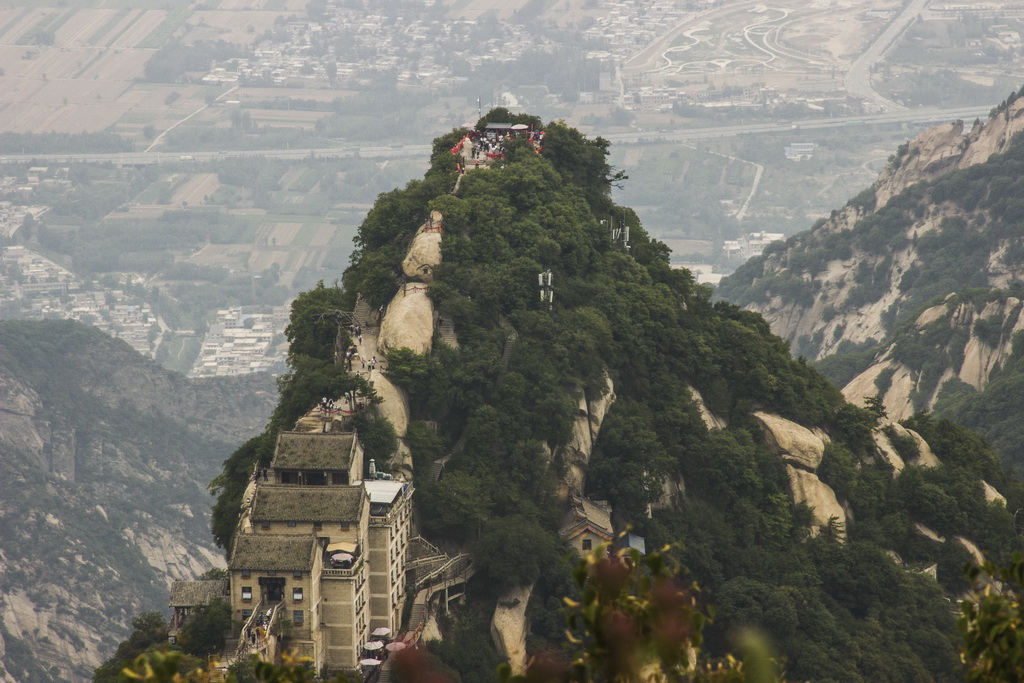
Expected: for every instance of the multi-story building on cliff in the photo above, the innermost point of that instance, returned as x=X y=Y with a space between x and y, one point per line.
x=390 y=519
x=322 y=548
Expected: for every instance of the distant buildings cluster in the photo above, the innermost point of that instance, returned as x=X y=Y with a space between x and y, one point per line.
x=436 y=53
x=738 y=250
x=629 y=27
x=32 y=287
x=431 y=52
x=35 y=288
x=304 y=53
x=240 y=343
x=815 y=93
x=20 y=190
x=751 y=244
x=798 y=151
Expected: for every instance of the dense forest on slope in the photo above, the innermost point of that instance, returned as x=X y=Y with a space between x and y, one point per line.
x=849 y=604
x=104 y=458
x=941 y=344
x=962 y=230
x=956 y=242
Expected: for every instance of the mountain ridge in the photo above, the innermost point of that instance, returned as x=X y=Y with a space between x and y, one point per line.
x=839 y=282
x=105 y=458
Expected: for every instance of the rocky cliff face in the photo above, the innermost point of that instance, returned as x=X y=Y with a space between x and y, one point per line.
x=826 y=289
x=802 y=451
x=586 y=427
x=970 y=341
x=105 y=458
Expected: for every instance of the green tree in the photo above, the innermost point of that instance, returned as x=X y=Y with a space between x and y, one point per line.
x=206 y=630
x=149 y=628
x=992 y=622
x=313 y=327
x=377 y=435
x=229 y=486
x=512 y=550
x=410 y=370
x=457 y=506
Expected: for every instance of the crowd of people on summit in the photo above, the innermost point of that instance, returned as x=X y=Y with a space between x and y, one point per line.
x=491 y=142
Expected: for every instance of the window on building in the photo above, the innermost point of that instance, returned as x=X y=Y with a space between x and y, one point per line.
x=339 y=477
x=247 y=592
x=587 y=543
x=292 y=525
x=297 y=594
x=264 y=525
x=299 y=617
x=344 y=526
x=246 y=573
x=246 y=613
x=318 y=526
x=296 y=575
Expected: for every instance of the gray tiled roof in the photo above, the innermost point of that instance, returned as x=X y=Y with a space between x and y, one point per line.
x=272 y=552
x=306 y=451
x=308 y=503
x=192 y=593
x=583 y=513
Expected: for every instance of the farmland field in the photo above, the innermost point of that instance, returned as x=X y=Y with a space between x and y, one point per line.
x=238 y=27
x=278 y=234
x=21 y=24
x=81 y=83
x=195 y=190
x=87 y=22
x=323 y=235
x=117 y=25
x=108 y=26
x=293 y=119
x=139 y=30
x=276 y=5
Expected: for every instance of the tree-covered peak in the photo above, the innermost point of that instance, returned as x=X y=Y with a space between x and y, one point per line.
x=631 y=386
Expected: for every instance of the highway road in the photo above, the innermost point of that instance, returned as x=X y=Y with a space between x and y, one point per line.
x=858 y=78
x=146 y=158
x=929 y=116
x=422 y=152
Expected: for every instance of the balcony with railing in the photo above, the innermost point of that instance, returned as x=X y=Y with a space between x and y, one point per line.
x=342 y=570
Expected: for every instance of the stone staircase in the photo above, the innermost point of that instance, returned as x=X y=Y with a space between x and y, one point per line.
x=417 y=615
x=423 y=557
x=506 y=354
x=437 y=468
x=449 y=570
x=420 y=548
x=416 y=570
x=447 y=331
x=510 y=342
x=363 y=314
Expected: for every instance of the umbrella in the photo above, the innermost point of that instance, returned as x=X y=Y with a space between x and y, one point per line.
x=373 y=645
x=369 y=662
x=395 y=646
x=520 y=126
x=382 y=631
x=342 y=547
x=342 y=557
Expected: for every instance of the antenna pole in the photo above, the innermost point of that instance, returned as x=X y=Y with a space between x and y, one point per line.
x=547 y=293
